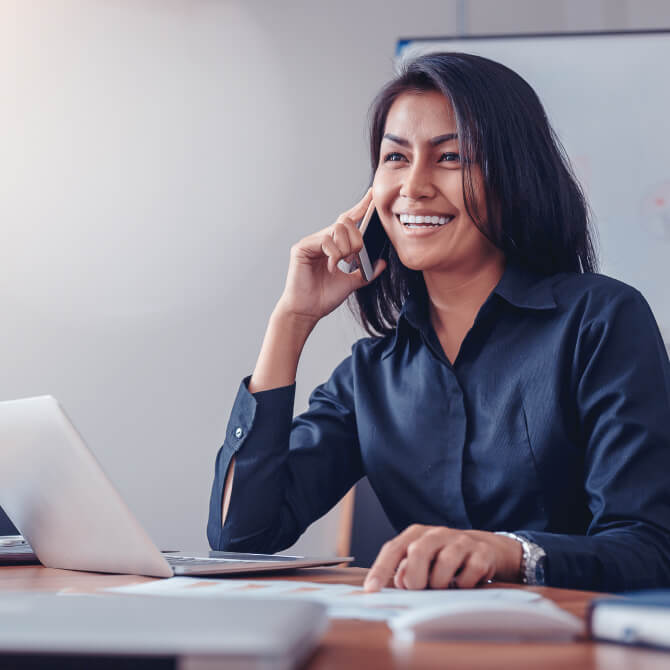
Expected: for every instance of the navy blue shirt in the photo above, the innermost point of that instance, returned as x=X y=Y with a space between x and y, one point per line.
x=552 y=422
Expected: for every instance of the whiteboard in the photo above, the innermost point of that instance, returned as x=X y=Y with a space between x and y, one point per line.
x=607 y=95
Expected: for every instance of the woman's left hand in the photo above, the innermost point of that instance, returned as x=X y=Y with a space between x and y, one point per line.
x=440 y=557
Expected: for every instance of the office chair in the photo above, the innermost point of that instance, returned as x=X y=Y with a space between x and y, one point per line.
x=6 y=526
x=367 y=525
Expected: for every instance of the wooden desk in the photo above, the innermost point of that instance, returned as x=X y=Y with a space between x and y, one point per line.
x=364 y=644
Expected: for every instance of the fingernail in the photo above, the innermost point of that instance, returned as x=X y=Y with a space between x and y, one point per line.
x=371 y=584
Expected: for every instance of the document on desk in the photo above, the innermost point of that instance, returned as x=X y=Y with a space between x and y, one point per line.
x=343 y=601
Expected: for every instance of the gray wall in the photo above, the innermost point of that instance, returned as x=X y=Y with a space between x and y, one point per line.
x=158 y=160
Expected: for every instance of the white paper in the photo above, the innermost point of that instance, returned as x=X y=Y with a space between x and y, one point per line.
x=343 y=601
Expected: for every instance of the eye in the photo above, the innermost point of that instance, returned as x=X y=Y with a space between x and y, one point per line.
x=393 y=157
x=450 y=157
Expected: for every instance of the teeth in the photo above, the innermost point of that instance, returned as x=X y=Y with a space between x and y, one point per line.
x=424 y=220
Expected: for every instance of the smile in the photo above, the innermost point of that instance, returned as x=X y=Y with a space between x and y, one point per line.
x=413 y=221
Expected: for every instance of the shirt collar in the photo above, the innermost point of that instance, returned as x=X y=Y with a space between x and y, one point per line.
x=526 y=289
x=518 y=286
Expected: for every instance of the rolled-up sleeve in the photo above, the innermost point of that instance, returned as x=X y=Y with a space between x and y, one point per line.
x=288 y=472
x=623 y=406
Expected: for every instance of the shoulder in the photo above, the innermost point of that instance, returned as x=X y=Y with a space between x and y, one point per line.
x=595 y=295
x=570 y=285
x=370 y=350
x=364 y=352
x=601 y=307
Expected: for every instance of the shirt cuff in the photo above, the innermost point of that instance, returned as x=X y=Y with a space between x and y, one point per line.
x=265 y=411
x=261 y=420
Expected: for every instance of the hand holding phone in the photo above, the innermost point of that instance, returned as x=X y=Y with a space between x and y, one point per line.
x=315 y=284
x=374 y=242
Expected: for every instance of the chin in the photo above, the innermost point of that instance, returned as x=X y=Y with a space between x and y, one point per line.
x=423 y=264
x=414 y=263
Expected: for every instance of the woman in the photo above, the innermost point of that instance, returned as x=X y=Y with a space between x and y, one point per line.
x=511 y=409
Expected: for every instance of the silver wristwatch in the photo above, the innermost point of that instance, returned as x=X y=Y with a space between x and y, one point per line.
x=532 y=561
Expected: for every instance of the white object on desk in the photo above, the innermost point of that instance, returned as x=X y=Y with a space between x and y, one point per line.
x=273 y=635
x=510 y=620
x=342 y=600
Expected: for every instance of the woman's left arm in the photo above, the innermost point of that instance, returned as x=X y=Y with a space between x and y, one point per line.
x=623 y=401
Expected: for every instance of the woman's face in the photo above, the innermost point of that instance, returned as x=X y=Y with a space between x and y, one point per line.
x=419 y=174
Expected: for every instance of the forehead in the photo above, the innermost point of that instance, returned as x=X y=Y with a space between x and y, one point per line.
x=420 y=115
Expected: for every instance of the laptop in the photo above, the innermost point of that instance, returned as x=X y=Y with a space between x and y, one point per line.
x=61 y=501
x=40 y=630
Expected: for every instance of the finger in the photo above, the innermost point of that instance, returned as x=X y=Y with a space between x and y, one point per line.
x=385 y=565
x=341 y=237
x=420 y=556
x=447 y=564
x=400 y=575
x=354 y=234
x=388 y=559
x=312 y=246
x=332 y=251
x=477 y=569
x=358 y=210
x=355 y=237
x=312 y=243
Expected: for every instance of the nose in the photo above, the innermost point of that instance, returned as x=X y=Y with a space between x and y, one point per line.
x=417 y=183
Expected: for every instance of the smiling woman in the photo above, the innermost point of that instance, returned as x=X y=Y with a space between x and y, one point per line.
x=419 y=193
x=425 y=169
x=516 y=184
x=511 y=408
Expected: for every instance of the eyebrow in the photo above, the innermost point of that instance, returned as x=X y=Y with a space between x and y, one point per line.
x=435 y=141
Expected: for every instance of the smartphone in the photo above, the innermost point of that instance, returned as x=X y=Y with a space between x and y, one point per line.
x=374 y=243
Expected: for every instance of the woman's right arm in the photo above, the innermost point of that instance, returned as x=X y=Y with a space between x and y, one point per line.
x=314 y=287
x=277 y=364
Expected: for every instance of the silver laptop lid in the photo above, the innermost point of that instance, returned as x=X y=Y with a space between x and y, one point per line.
x=58 y=496
x=239 y=633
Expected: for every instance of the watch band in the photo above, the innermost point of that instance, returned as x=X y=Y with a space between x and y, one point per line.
x=532 y=560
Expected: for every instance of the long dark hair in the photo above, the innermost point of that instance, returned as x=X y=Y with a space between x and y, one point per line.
x=536 y=212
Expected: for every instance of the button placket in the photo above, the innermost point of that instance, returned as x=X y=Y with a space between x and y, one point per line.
x=457 y=431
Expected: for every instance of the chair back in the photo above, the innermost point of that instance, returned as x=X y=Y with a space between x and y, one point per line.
x=370 y=526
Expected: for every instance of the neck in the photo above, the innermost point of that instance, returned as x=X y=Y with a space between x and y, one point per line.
x=456 y=295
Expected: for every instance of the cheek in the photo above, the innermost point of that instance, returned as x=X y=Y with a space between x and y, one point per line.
x=379 y=190
x=478 y=195
x=382 y=195
x=451 y=185
x=384 y=191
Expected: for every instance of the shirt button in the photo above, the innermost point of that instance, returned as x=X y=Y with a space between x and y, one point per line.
x=238 y=432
